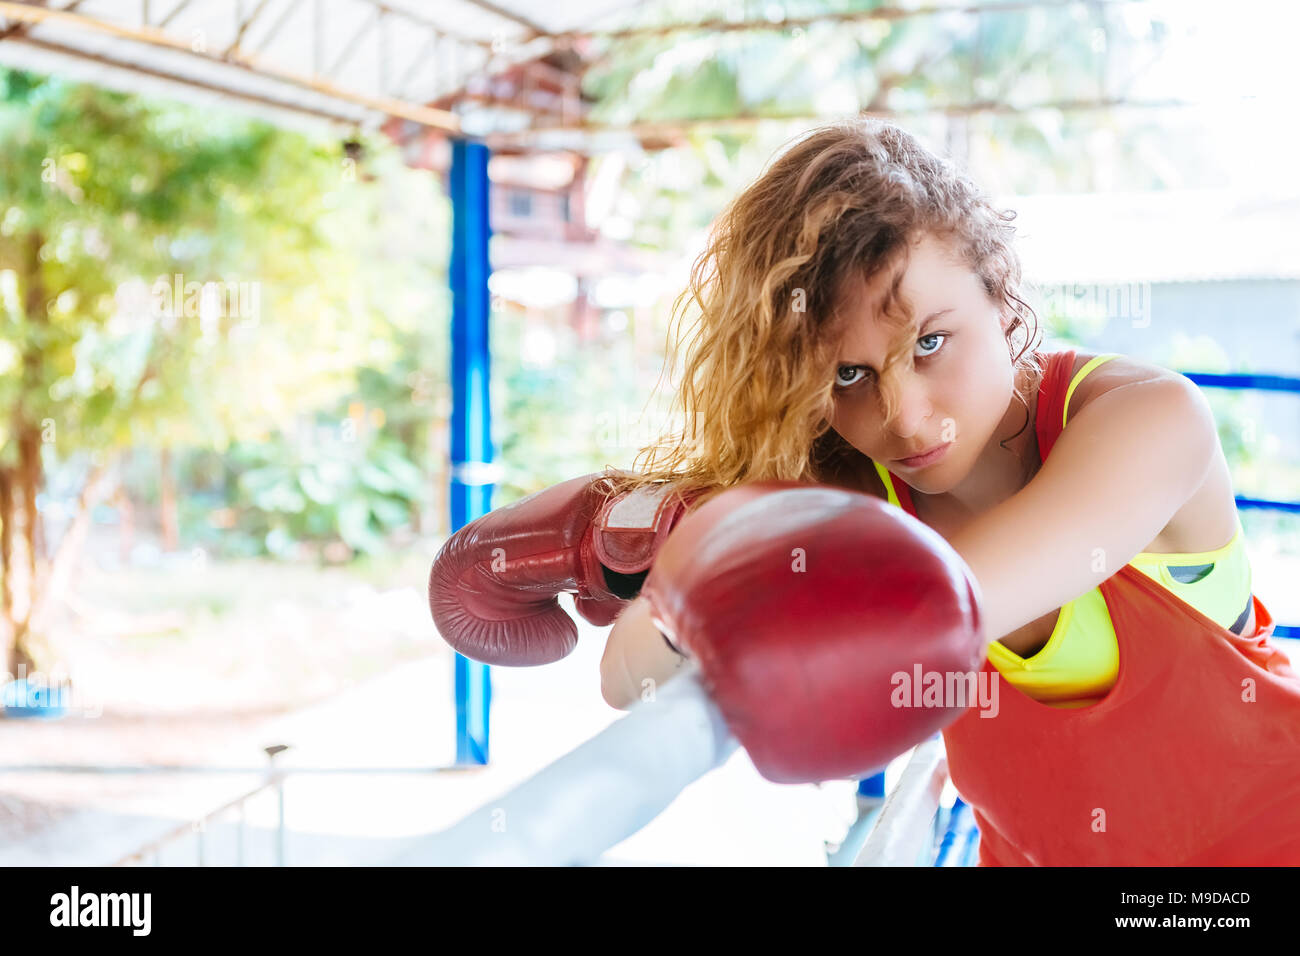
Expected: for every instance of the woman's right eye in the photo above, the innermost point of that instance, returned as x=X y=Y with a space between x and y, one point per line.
x=846 y=370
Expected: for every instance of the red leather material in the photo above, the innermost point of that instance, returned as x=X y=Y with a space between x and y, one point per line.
x=632 y=527
x=801 y=605
x=493 y=587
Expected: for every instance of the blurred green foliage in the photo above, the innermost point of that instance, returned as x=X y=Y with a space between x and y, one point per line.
x=330 y=281
x=292 y=492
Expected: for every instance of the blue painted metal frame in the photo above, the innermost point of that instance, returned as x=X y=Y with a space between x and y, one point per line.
x=959 y=840
x=472 y=471
x=873 y=786
x=1261 y=383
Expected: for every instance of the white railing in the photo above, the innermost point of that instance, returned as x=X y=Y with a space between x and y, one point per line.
x=597 y=795
x=903 y=833
x=606 y=789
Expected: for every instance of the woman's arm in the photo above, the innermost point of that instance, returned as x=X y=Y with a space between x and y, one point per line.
x=636 y=653
x=1124 y=465
x=1121 y=469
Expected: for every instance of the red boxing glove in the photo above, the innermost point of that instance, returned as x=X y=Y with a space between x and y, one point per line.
x=494 y=584
x=801 y=605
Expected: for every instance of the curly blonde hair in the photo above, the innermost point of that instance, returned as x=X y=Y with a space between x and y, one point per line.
x=842 y=203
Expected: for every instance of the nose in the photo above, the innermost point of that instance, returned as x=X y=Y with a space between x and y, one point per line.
x=911 y=405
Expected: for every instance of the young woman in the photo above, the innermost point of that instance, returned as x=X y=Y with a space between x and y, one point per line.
x=861 y=324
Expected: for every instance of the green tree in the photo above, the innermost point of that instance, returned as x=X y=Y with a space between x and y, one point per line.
x=101 y=194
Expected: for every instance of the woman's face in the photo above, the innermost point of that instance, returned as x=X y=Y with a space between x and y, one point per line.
x=957 y=389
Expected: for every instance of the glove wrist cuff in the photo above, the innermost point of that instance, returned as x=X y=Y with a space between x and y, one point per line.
x=631 y=527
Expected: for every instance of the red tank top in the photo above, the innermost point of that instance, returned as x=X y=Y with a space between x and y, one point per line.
x=1191 y=759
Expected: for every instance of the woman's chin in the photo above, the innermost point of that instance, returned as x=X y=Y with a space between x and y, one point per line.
x=935 y=480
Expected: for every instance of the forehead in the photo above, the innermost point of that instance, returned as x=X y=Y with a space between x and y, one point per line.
x=934 y=278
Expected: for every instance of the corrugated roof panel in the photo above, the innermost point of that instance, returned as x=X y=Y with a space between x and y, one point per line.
x=418 y=53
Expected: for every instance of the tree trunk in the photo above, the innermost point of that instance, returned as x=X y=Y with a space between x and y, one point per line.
x=26 y=485
x=8 y=627
x=29 y=474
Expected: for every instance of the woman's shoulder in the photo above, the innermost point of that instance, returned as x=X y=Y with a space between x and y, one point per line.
x=1207 y=518
x=1116 y=371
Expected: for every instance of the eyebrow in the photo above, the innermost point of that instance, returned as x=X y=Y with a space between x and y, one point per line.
x=922 y=327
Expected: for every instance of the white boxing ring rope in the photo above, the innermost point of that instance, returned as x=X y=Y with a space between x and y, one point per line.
x=603 y=791
x=902 y=829
x=598 y=794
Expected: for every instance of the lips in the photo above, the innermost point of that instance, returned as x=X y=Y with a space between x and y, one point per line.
x=925 y=457
x=919 y=454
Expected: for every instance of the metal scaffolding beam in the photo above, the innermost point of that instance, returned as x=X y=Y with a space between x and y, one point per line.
x=152 y=36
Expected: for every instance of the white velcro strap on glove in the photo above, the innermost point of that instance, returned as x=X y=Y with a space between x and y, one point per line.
x=631 y=527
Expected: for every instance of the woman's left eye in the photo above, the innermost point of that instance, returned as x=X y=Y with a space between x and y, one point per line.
x=933 y=335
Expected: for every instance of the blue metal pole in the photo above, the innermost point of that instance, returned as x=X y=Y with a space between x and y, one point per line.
x=1264 y=383
x=954 y=835
x=873 y=786
x=472 y=470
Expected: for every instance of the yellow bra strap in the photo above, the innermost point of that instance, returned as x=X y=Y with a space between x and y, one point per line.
x=883 y=472
x=1082 y=374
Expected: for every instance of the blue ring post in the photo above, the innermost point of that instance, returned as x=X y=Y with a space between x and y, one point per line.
x=471 y=421
x=873 y=786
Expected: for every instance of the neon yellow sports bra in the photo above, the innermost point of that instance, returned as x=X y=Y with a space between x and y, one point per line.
x=1080 y=661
